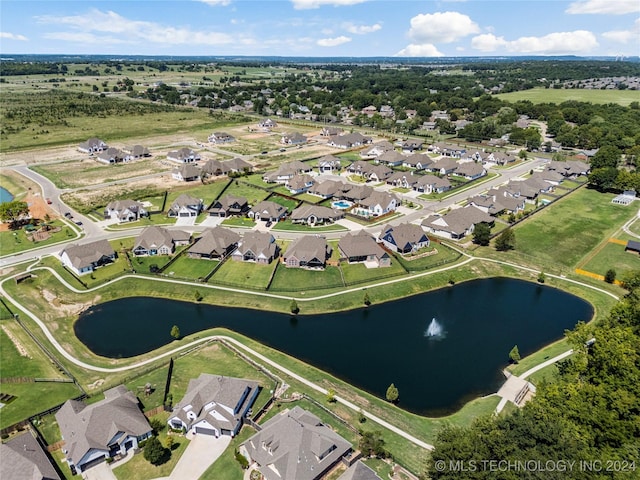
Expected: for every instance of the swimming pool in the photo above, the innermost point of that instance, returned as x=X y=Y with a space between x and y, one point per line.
x=341 y=204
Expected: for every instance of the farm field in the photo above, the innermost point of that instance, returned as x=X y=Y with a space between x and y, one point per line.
x=552 y=95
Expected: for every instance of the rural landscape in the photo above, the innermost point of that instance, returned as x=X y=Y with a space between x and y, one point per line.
x=222 y=268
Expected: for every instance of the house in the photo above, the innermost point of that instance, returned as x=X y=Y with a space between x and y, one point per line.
x=267 y=211
x=258 y=247
x=362 y=248
x=183 y=155
x=185 y=206
x=444 y=166
x=295 y=445
x=266 y=124
x=228 y=206
x=111 y=155
x=287 y=171
x=409 y=146
x=214 y=405
x=470 y=170
x=299 y=184
x=569 y=168
x=360 y=167
x=159 y=241
x=85 y=258
x=404 y=238
x=431 y=184
x=213 y=168
x=498 y=201
x=215 y=244
x=359 y=471
x=315 y=214
x=136 y=151
x=237 y=164
x=92 y=433
x=220 y=137
x=348 y=140
x=390 y=158
x=378 y=173
x=186 y=173
x=447 y=149
x=326 y=188
x=125 y=211
x=401 y=179
x=377 y=149
x=330 y=131
x=417 y=161
x=309 y=251
x=293 y=139
x=23 y=458
x=92 y=146
x=457 y=223
x=501 y=158
x=329 y=164
x=355 y=193
x=632 y=246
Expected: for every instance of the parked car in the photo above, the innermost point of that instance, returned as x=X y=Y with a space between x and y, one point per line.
x=49 y=201
x=79 y=223
x=268 y=224
x=264 y=153
x=68 y=215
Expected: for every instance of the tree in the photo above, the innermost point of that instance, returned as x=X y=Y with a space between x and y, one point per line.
x=366 y=300
x=482 y=234
x=392 y=394
x=155 y=453
x=604 y=178
x=331 y=395
x=12 y=212
x=372 y=444
x=506 y=240
x=294 y=307
x=198 y=296
x=514 y=354
x=175 y=332
x=610 y=276
x=541 y=277
x=607 y=156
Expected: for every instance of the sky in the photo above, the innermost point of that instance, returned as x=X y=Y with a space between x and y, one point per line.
x=321 y=28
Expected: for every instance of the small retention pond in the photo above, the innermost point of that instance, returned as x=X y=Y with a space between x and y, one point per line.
x=5 y=195
x=477 y=324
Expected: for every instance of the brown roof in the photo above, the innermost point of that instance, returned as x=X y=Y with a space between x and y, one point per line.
x=215 y=240
x=360 y=244
x=84 y=255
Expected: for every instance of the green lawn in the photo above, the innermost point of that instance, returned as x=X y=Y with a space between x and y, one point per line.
x=244 y=274
x=552 y=95
x=142 y=264
x=357 y=273
x=151 y=220
x=20 y=356
x=17 y=241
x=242 y=222
x=563 y=233
x=207 y=192
x=191 y=268
x=613 y=256
x=300 y=280
x=240 y=188
x=635 y=227
x=444 y=255
x=140 y=469
x=226 y=467
x=285 y=202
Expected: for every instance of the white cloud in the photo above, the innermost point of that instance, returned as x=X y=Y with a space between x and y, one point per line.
x=441 y=27
x=422 y=50
x=13 y=36
x=333 y=42
x=611 y=7
x=624 y=36
x=308 y=4
x=579 y=41
x=216 y=3
x=110 y=27
x=361 y=29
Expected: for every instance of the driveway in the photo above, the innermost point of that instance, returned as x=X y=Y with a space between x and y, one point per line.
x=199 y=455
x=102 y=471
x=185 y=221
x=211 y=221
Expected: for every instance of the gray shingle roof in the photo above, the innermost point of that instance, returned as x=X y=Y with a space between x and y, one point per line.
x=92 y=426
x=260 y=243
x=360 y=244
x=307 y=248
x=84 y=255
x=215 y=241
x=157 y=237
x=404 y=234
x=359 y=471
x=24 y=459
x=459 y=220
x=325 y=213
x=269 y=209
x=295 y=446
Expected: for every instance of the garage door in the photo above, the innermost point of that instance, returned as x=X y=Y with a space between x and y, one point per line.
x=92 y=463
x=206 y=431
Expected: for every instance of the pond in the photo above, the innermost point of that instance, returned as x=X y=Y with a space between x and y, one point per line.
x=5 y=195
x=477 y=324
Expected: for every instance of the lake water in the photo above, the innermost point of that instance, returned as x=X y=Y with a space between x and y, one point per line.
x=478 y=321
x=5 y=195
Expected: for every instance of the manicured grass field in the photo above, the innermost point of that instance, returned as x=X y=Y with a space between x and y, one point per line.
x=552 y=95
x=190 y=268
x=299 y=280
x=563 y=233
x=635 y=227
x=357 y=273
x=142 y=264
x=15 y=241
x=238 y=222
x=244 y=274
x=613 y=256
x=303 y=227
x=241 y=189
x=285 y=202
x=444 y=255
x=207 y=192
